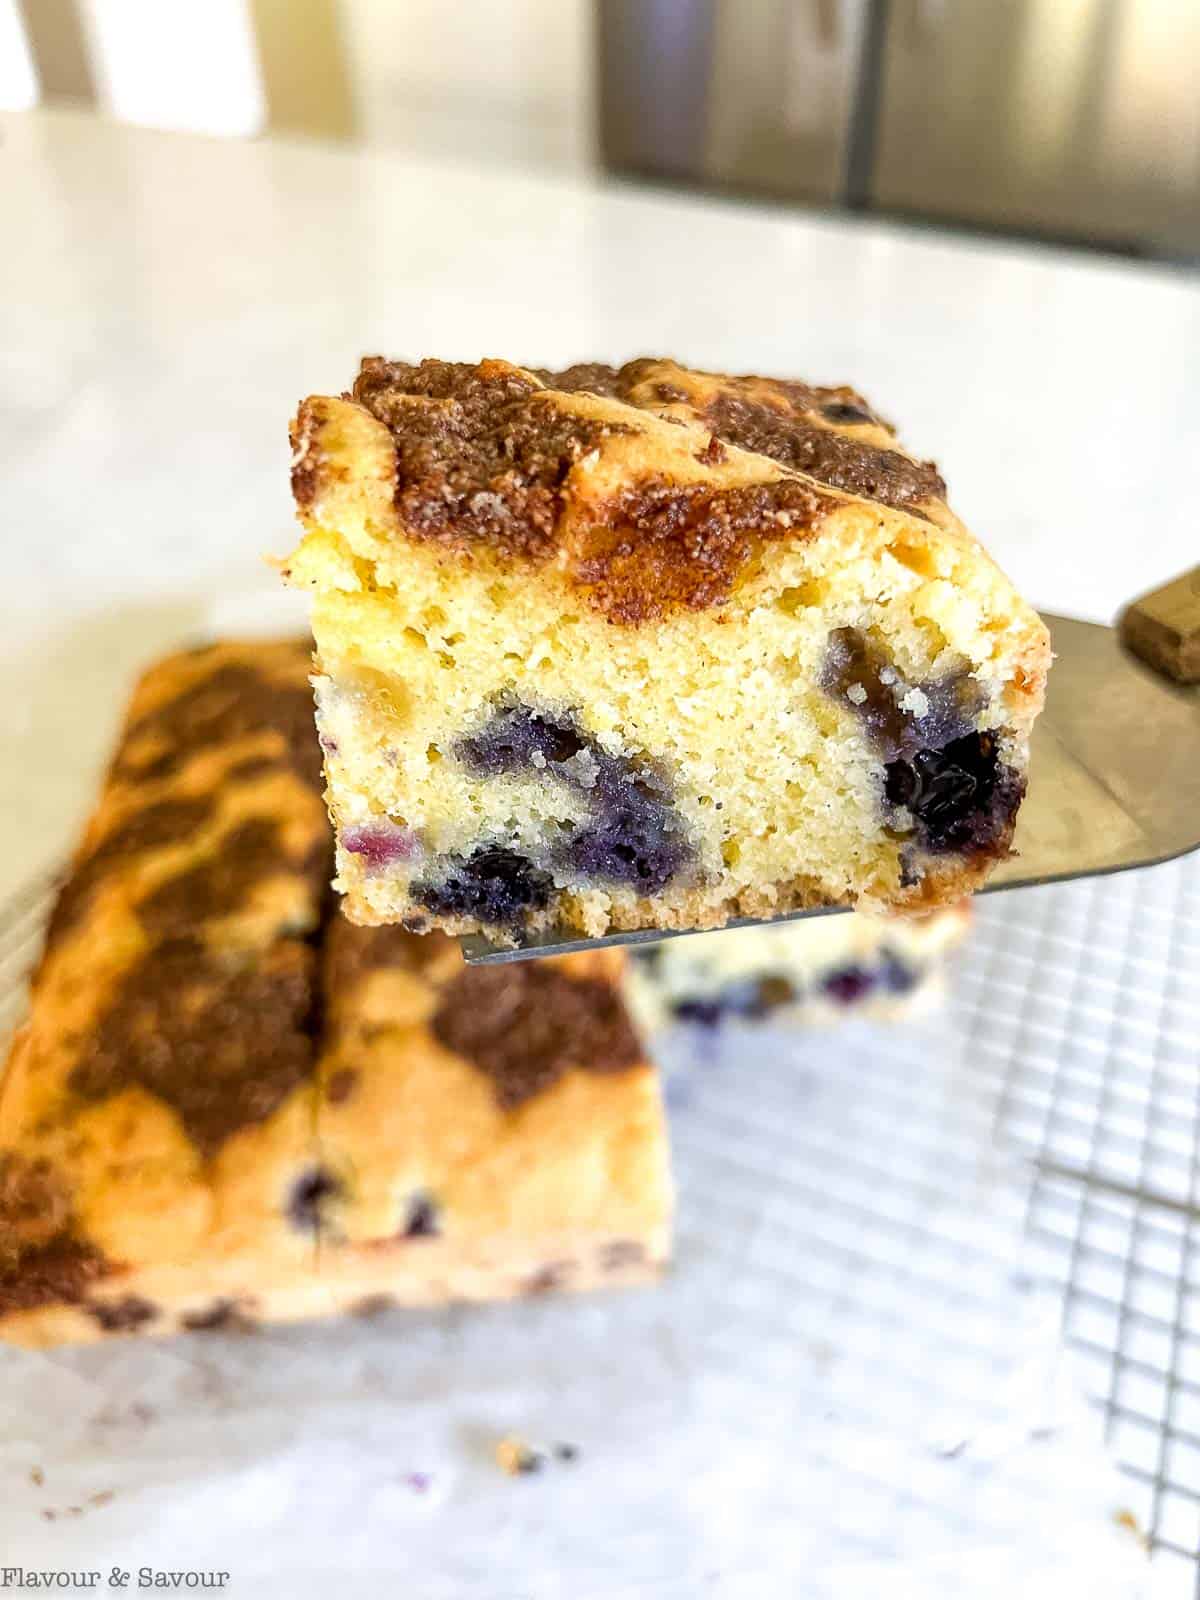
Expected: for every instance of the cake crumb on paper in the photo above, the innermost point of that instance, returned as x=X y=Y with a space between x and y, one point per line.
x=518 y=1458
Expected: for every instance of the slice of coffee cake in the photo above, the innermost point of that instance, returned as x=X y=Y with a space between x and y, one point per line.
x=648 y=648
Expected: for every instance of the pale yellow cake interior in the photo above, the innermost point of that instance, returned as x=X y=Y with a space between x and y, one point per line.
x=731 y=706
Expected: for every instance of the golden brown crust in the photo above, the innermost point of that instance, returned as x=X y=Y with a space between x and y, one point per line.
x=529 y=466
x=455 y=1123
x=223 y=1044
x=42 y=1258
x=830 y=434
x=526 y=1025
x=523 y=1026
x=216 y=743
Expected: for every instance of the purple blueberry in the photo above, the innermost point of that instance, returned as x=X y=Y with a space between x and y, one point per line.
x=858 y=673
x=421 y=1219
x=493 y=884
x=704 y=1013
x=307 y=1201
x=509 y=742
x=848 y=985
x=380 y=844
x=632 y=837
x=962 y=797
x=896 y=976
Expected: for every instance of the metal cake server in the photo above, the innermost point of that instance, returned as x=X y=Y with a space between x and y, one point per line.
x=1114 y=782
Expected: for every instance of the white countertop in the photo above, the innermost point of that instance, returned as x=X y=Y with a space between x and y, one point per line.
x=168 y=299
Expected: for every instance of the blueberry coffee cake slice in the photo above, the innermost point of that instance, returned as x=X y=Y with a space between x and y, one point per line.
x=820 y=970
x=648 y=648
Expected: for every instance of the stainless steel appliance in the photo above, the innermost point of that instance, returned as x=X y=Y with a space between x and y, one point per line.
x=1077 y=119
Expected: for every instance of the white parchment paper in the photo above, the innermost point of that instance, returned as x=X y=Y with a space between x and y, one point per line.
x=845 y=1382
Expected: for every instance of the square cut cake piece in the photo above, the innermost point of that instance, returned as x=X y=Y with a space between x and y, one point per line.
x=821 y=970
x=215 y=1100
x=648 y=648
x=485 y=1132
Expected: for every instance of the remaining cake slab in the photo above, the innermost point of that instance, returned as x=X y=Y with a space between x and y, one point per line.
x=186 y=1143
x=647 y=647
x=161 y=1096
x=484 y=1133
x=818 y=971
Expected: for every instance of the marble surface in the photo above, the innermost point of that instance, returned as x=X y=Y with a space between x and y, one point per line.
x=167 y=299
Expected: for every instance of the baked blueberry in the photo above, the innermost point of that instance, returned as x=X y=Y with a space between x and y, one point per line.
x=493 y=885
x=962 y=798
x=310 y=1196
x=421 y=1218
x=564 y=586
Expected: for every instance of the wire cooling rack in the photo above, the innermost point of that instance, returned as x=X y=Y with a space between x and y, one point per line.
x=873 y=1224
x=1081 y=1008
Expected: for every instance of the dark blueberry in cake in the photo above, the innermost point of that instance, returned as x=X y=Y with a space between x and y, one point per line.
x=751 y=1001
x=123 y=1316
x=848 y=985
x=307 y=1201
x=844 y=411
x=514 y=737
x=896 y=976
x=493 y=884
x=745 y=1000
x=633 y=838
x=547 y=1279
x=962 y=798
x=626 y=840
x=704 y=1013
x=421 y=1219
x=901 y=718
x=222 y=1316
x=380 y=844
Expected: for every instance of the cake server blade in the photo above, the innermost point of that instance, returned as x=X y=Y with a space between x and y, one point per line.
x=1114 y=783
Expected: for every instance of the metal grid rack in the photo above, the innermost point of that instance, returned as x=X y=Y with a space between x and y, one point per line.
x=1076 y=1015
x=1082 y=1009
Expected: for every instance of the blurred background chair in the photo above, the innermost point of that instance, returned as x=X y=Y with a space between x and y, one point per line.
x=1075 y=120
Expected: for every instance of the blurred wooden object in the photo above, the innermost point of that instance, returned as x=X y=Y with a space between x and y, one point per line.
x=480 y=82
x=302 y=59
x=58 y=44
x=228 y=67
x=1163 y=628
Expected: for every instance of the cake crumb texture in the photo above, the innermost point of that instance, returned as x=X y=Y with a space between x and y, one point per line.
x=642 y=646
